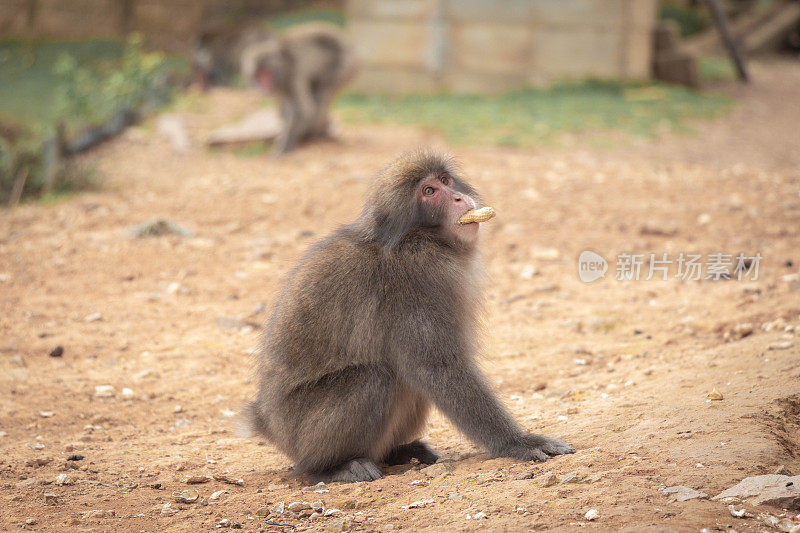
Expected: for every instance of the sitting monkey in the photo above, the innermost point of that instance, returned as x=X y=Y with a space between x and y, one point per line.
x=376 y=323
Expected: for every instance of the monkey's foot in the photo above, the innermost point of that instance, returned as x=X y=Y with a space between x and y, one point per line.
x=532 y=447
x=361 y=469
x=413 y=450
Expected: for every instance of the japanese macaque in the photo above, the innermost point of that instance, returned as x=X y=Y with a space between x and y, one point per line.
x=304 y=68
x=374 y=325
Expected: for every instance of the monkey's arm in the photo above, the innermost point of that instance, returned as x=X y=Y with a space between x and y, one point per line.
x=456 y=386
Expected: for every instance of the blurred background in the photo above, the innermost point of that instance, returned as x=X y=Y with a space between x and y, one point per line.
x=512 y=73
x=146 y=225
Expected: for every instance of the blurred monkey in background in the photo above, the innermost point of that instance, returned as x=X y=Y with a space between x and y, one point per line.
x=304 y=68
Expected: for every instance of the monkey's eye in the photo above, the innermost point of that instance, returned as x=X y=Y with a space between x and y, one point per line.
x=445 y=179
x=428 y=191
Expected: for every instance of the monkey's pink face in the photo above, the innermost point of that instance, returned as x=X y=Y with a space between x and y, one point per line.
x=445 y=205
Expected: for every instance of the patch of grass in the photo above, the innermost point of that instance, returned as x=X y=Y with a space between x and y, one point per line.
x=716 y=69
x=252 y=149
x=537 y=116
x=302 y=16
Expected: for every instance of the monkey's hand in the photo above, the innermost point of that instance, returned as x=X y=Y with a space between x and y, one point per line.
x=533 y=447
x=477 y=215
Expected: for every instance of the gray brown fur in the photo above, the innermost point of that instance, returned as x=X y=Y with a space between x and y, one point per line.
x=376 y=323
x=308 y=64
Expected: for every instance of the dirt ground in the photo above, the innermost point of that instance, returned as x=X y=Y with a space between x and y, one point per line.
x=619 y=369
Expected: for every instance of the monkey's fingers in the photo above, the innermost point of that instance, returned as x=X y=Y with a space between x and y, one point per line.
x=477 y=215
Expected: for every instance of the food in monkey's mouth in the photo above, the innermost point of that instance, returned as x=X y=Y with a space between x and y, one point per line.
x=477 y=215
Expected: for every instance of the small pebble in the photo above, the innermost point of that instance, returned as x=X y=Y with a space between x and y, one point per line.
x=186 y=496
x=127 y=394
x=168 y=510
x=104 y=391
x=58 y=351
x=296 y=507
x=64 y=479
x=591 y=514
x=75 y=457
x=714 y=395
x=30 y=521
x=217 y=495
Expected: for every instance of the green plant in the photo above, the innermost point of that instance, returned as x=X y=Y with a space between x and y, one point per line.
x=90 y=95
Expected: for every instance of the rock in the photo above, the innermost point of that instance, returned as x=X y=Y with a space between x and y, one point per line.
x=157 y=227
x=47 y=414
x=64 y=479
x=418 y=504
x=3 y=434
x=436 y=470
x=787 y=525
x=186 y=496
x=528 y=272
x=146 y=373
x=58 y=351
x=75 y=457
x=226 y=478
x=547 y=479
x=173 y=127
x=714 y=395
x=785 y=345
x=38 y=461
x=194 y=480
x=262 y=125
x=50 y=498
x=94 y=317
x=99 y=513
x=336 y=525
x=278 y=508
x=296 y=507
x=544 y=254
x=25 y=483
x=681 y=493
x=741 y=513
x=479 y=515
x=104 y=391
x=318 y=506
x=218 y=494
x=739 y=331
x=262 y=512
x=591 y=514
x=770 y=489
x=127 y=394
x=30 y=521
x=168 y=510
